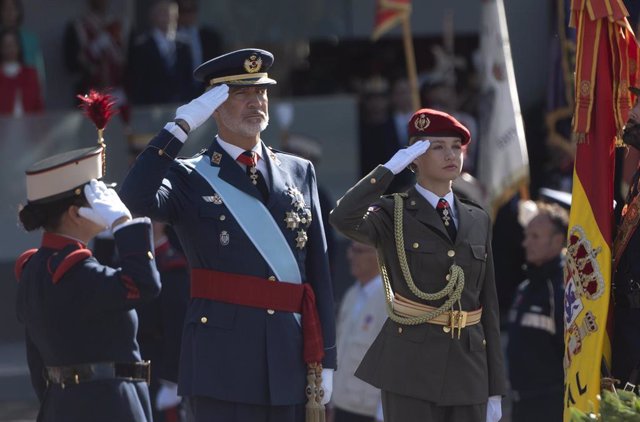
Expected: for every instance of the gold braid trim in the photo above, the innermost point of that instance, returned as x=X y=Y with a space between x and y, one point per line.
x=453 y=289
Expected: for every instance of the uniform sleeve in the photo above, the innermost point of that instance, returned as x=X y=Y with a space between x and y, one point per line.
x=491 y=324
x=317 y=274
x=147 y=189
x=348 y=217
x=97 y=288
x=36 y=367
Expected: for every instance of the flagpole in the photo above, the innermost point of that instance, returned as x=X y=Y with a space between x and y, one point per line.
x=409 y=54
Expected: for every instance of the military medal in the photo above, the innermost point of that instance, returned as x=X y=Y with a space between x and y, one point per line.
x=253 y=175
x=292 y=219
x=446 y=217
x=301 y=240
x=299 y=217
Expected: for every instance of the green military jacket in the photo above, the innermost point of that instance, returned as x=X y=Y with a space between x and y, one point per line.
x=423 y=361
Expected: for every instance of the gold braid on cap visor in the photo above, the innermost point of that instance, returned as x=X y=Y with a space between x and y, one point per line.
x=249 y=77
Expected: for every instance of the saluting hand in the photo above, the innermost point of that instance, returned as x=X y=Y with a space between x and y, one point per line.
x=106 y=208
x=200 y=109
x=405 y=156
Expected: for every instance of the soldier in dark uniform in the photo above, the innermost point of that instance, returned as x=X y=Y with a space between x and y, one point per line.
x=249 y=220
x=78 y=314
x=625 y=348
x=438 y=357
x=536 y=330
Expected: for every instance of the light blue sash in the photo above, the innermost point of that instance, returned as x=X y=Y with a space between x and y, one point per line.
x=255 y=220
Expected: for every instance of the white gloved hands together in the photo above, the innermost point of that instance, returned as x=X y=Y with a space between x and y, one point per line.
x=327 y=385
x=167 y=396
x=494 y=409
x=200 y=109
x=105 y=206
x=405 y=156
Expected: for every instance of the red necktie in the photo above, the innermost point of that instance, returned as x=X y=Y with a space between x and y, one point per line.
x=250 y=159
x=447 y=217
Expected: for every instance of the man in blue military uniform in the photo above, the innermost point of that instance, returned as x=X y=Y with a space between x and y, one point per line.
x=249 y=220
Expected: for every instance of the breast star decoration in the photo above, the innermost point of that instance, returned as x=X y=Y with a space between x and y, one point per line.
x=299 y=217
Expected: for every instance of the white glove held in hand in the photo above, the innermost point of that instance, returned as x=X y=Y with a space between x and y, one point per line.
x=405 y=156
x=106 y=206
x=200 y=109
x=327 y=385
x=494 y=409
x=167 y=396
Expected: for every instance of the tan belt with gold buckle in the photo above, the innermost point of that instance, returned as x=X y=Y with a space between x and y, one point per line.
x=451 y=319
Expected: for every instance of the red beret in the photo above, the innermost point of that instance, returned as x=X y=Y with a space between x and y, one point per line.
x=428 y=122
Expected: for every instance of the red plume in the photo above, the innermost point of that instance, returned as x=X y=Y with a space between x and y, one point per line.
x=98 y=107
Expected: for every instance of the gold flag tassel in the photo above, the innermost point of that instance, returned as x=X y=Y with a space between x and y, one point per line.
x=314 y=409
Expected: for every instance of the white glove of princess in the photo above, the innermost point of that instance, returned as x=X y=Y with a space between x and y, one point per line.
x=327 y=385
x=405 y=156
x=200 y=109
x=105 y=206
x=494 y=409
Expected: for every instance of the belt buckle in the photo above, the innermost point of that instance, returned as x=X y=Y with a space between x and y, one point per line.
x=457 y=319
x=146 y=365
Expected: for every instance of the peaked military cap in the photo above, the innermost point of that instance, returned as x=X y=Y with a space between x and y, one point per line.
x=428 y=122
x=241 y=67
x=63 y=175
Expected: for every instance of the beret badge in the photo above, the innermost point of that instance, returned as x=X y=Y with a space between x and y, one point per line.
x=422 y=122
x=253 y=63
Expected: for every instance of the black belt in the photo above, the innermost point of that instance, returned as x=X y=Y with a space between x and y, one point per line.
x=75 y=374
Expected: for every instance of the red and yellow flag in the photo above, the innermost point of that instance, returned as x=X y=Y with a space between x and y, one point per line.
x=388 y=14
x=605 y=66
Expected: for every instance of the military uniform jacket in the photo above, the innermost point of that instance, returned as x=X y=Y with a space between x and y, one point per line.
x=86 y=315
x=232 y=352
x=423 y=361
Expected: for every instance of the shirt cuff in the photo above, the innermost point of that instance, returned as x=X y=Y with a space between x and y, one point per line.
x=176 y=131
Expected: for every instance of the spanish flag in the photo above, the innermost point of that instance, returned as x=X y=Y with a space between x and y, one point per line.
x=388 y=14
x=605 y=43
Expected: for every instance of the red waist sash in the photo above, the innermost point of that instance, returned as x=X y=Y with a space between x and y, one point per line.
x=261 y=293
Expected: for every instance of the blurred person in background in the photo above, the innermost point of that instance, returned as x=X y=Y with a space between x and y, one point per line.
x=160 y=64
x=20 y=90
x=536 y=332
x=94 y=51
x=11 y=19
x=361 y=316
x=204 y=42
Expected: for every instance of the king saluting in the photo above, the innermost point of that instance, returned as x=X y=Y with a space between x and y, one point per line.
x=259 y=336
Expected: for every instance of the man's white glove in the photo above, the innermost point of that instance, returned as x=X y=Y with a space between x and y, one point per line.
x=167 y=396
x=327 y=385
x=405 y=156
x=106 y=206
x=200 y=109
x=494 y=409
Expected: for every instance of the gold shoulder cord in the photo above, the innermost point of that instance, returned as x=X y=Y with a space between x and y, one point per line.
x=453 y=289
